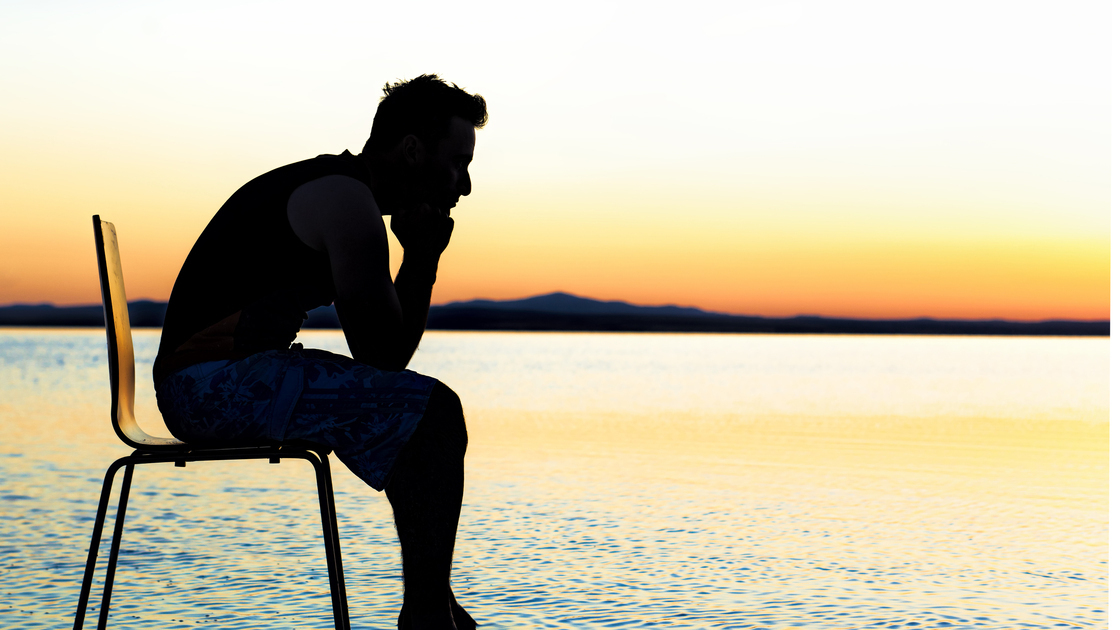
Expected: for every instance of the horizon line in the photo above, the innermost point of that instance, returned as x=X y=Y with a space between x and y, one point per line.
x=705 y=311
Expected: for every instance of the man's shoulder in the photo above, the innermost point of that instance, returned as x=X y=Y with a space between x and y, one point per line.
x=332 y=191
x=291 y=176
x=332 y=208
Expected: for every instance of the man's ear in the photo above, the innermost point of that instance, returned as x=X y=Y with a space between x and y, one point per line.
x=412 y=150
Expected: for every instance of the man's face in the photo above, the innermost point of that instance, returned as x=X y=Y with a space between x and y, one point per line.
x=445 y=177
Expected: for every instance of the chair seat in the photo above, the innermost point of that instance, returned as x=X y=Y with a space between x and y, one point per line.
x=172 y=445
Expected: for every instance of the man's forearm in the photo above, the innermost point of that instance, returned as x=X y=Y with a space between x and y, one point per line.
x=414 y=292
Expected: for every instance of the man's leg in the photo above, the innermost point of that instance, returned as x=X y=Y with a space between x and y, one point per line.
x=233 y=402
x=426 y=492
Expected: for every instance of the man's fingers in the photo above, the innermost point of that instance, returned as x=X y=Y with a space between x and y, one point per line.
x=436 y=210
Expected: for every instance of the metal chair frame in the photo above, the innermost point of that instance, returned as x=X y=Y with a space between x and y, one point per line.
x=156 y=450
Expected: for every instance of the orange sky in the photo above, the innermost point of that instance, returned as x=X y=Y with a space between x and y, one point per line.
x=787 y=158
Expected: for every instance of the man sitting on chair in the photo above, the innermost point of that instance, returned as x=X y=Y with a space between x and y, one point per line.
x=309 y=234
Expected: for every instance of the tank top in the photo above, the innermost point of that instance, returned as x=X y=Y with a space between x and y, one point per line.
x=248 y=282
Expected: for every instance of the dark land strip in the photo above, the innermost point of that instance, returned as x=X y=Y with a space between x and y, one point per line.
x=560 y=312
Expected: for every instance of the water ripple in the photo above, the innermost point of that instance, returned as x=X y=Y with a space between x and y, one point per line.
x=596 y=519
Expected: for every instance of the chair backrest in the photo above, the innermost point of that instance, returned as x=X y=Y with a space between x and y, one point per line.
x=118 y=332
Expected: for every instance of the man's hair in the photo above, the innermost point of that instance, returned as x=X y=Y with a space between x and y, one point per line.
x=424 y=108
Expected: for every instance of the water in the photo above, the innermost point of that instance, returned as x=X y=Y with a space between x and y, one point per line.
x=614 y=481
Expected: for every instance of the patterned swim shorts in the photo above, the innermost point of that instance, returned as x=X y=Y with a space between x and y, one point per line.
x=364 y=414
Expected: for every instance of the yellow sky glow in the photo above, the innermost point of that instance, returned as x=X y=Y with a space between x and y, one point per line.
x=773 y=158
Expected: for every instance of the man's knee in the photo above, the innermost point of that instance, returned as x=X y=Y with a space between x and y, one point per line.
x=443 y=423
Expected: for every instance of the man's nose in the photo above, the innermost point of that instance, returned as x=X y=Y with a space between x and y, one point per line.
x=465 y=184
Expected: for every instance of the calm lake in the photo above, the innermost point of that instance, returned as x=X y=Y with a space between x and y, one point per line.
x=613 y=481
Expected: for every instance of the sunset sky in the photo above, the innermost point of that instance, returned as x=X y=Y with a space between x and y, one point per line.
x=868 y=159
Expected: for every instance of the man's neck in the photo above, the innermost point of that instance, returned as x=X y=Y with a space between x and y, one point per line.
x=384 y=181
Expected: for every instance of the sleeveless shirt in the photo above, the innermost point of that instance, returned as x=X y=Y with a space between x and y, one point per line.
x=248 y=282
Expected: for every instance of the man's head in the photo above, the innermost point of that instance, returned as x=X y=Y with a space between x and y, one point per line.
x=426 y=127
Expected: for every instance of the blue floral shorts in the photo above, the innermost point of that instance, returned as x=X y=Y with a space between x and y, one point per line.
x=364 y=414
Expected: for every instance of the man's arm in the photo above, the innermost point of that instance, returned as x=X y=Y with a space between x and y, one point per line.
x=382 y=320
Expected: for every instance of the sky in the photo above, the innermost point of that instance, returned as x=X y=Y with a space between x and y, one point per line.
x=858 y=159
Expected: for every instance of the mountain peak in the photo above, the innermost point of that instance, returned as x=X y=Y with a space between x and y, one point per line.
x=567 y=303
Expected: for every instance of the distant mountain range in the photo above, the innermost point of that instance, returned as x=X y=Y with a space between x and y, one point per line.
x=567 y=303
x=566 y=312
x=141 y=314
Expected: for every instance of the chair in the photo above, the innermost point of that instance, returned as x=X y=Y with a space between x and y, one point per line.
x=155 y=450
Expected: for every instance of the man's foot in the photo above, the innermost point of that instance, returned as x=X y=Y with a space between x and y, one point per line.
x=463 y=621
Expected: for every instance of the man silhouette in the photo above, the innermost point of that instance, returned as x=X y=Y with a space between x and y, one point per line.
x=309 y=234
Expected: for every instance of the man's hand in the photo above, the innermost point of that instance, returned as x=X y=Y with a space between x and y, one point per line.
x=423 y=230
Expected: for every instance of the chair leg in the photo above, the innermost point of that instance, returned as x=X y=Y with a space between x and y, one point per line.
x=337 y=545
x=118 y=531
x=94 y=544
x=331 y=544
